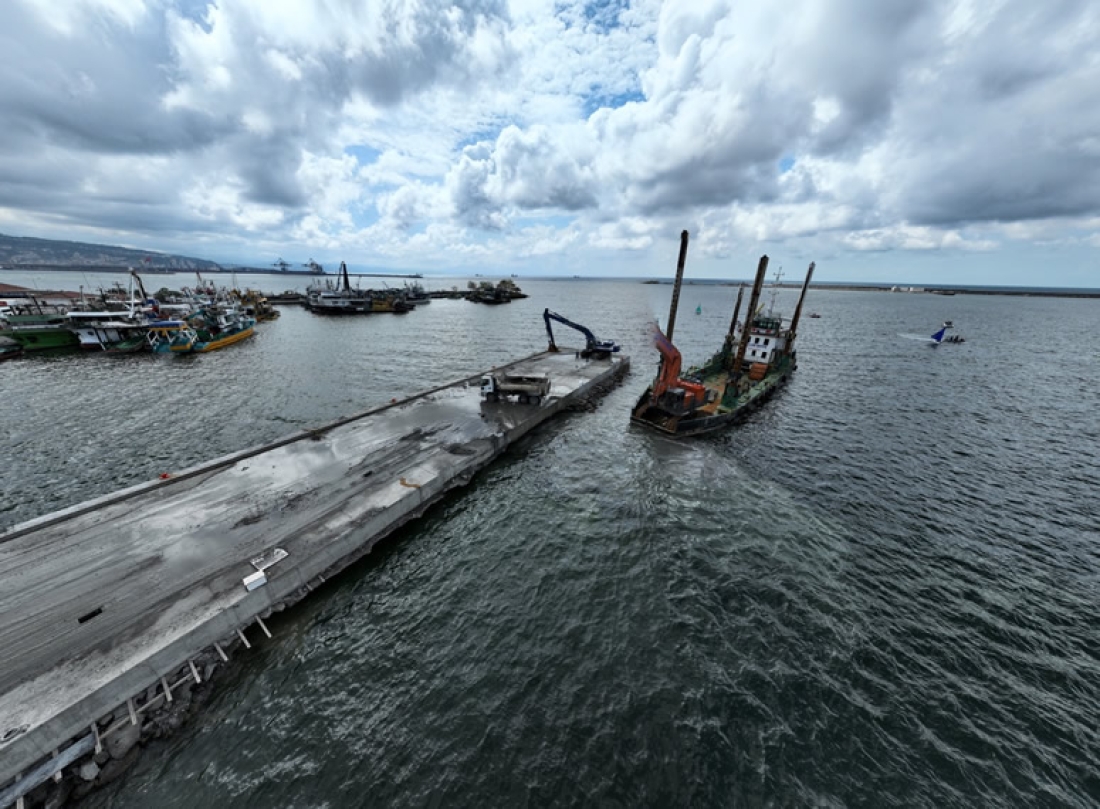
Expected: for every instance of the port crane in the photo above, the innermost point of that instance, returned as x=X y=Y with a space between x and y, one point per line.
x=593 y=349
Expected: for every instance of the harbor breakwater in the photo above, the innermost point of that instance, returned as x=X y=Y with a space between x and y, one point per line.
x=119 y=611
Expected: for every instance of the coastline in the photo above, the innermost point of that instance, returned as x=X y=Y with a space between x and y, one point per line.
x=111 y=268
x=1024 y=292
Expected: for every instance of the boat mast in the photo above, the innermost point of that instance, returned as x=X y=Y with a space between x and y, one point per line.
x=775 y=291
x=754 y=298
x=676 y=286
x=798 y=309
x=733 y=322
x=344 y=273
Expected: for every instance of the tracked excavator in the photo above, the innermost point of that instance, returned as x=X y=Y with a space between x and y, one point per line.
x=593 y=349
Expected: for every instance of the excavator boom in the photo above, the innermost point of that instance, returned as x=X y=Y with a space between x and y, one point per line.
x=592 y=346
x=668 y=374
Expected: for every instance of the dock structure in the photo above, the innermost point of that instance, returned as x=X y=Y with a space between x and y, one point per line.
x=114 y=598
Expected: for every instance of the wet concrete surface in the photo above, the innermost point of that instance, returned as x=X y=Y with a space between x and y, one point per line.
x=102 y=599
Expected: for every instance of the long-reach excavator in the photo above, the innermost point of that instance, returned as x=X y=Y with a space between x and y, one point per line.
x=678 y=395
x=593 y=348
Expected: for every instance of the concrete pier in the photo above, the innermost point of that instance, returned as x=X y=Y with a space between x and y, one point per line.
x=111 y=598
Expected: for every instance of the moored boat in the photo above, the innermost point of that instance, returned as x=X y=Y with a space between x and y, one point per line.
x=9 y=348
x=416 y=295
x=220 y=326
x=257 y=305
x=170 y=337
x=342 y=299
x=735 y=381
x=111 y=332
x=37 y=332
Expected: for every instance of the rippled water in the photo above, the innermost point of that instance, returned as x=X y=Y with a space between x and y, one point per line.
x=882 y=590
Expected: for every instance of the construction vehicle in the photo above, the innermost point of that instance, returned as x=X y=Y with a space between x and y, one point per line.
x=527 y=388
x=677 y=395
x=593 y=348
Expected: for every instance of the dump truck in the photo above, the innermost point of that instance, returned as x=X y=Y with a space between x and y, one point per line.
x=527 y=388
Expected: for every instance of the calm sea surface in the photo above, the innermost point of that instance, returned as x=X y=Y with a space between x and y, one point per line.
x=882 y=590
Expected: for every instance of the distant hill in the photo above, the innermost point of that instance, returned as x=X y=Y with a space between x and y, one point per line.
x=20 y=251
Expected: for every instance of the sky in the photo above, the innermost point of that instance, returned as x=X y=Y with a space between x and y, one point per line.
x=933 y=141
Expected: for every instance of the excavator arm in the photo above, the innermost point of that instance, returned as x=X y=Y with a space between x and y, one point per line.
x=668 y=373
x=592 y=344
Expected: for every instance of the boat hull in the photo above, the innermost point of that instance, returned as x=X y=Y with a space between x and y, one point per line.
x=223 y=341
x=32 y=339
x=654 y=417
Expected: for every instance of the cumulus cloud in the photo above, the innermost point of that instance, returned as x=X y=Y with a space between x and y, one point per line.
x=545 y=128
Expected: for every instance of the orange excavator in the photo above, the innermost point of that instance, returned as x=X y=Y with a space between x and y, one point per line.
x=669 y=390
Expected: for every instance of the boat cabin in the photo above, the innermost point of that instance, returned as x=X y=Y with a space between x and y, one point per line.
x=767 y=339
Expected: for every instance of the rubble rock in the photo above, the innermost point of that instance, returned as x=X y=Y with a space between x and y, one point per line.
x=122 y=741
x=89 y=771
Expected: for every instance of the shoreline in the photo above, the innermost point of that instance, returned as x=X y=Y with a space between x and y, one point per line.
x=841 y=286
x=111 y=268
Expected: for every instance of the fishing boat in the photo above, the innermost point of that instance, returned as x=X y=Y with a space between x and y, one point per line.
x=416 y=295
x=170 y=337
x=257 y=305
x=37 y=326
x=753 y=362
x=342 y=299
x=9 y=348
x=220 y=326
x=110 y=332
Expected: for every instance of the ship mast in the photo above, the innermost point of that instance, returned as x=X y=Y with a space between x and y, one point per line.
x=775 y=291
x=733 y=322
x=676 y=286
x=798 y=309
x=754 y=298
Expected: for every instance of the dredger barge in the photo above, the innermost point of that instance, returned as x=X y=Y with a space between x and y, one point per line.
x=754 y=362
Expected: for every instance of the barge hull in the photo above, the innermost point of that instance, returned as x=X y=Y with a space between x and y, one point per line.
x=701 y=425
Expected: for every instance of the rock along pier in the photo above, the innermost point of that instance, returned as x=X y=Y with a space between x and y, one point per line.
x=116 y=606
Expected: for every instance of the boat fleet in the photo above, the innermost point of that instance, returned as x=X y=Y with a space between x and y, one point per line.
x=339 y=297
x=125 y=321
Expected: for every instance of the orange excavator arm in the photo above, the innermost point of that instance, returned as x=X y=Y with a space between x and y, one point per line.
x=668 y=374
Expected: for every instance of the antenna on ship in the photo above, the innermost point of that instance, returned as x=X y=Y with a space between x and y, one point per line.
x=775 y=291
x=676 y=286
